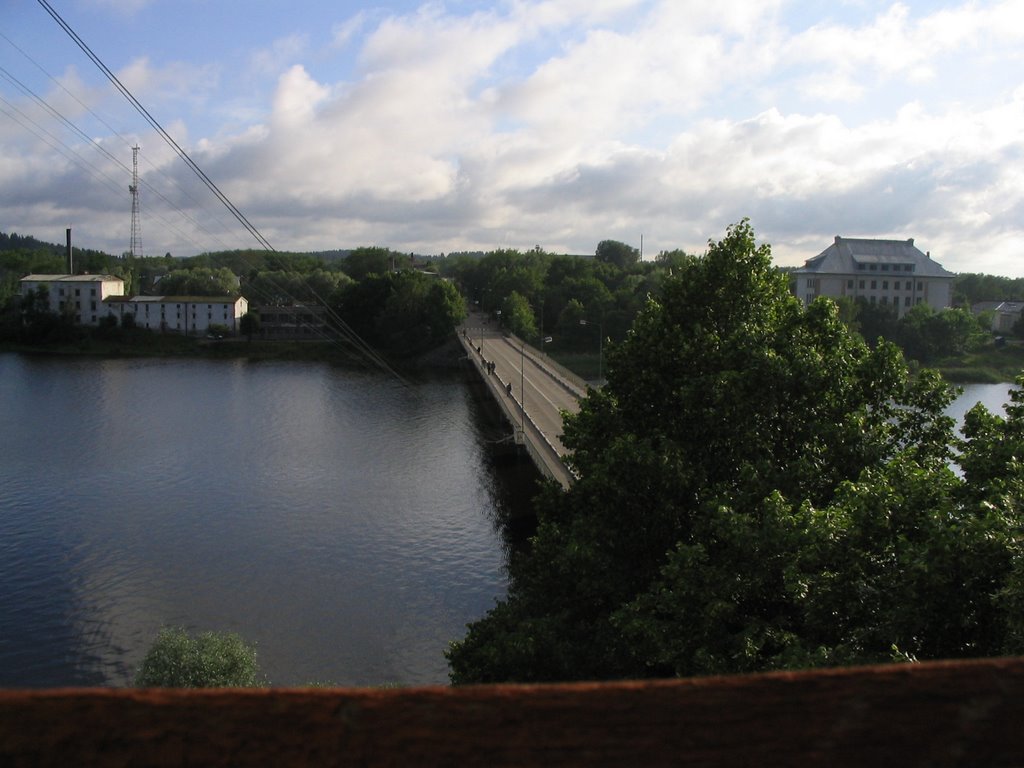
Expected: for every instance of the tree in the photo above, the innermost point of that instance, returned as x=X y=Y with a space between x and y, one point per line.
x=199 y=281
x=366 y=261
x=209 y=660
x=419 y=314
x=404 y=313
x=517 y=316
x=757 y=489
x=927 y=335
x=249 y=323
x=617 y=253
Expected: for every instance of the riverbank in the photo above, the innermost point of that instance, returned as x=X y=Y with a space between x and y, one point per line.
x=142 y=343
x=991 y=365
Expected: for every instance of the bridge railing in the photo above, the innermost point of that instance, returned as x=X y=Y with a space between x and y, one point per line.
x=541 y=451
x=572 y=382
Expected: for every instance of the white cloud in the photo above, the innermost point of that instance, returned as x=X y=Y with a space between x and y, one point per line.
x=563 y=122
x=282 y=53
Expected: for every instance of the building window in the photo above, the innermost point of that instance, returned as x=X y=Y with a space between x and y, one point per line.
x=60 y=292
x=917 y=300
x=78 y=292
x=861 y=267
x=885 y=300
x=92 y=291
x=849 y=284
x=909 y=285
x=860 y=284
x=874 y=284
x=885 y=285
x=920 y=285
x=93 y=308
x=874 y=300
x=874 y=267
x=906 y=301
x=885 y=267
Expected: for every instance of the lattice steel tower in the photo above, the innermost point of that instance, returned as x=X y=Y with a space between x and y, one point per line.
x=136 y=245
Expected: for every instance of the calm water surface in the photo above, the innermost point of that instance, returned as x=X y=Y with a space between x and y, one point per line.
x=346 y=524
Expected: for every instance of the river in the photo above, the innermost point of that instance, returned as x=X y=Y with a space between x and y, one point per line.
x=347 y=524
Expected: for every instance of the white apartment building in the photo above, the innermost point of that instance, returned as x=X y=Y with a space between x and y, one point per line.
x=887 y=272
x=81 y=295
x=189 y=315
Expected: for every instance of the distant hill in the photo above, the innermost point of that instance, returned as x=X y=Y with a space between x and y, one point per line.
x=16 y=242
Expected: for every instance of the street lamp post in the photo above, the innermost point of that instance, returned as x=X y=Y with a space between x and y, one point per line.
x=522 y=388
x=600 y=346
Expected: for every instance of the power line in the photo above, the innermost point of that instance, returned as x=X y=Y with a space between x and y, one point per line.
x=239 y=216
x=343 y=328
x=98 y=146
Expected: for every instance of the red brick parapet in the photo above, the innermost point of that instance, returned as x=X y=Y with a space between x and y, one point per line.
x=933 y=714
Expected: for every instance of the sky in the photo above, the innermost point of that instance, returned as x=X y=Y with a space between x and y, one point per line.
x=459 y=125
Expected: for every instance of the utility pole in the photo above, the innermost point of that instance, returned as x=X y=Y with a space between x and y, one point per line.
x=136 y=244
x=522 y=387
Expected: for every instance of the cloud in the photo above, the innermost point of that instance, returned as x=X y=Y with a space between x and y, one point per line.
x=566 y=122
x=281 y=53
x=120 y=6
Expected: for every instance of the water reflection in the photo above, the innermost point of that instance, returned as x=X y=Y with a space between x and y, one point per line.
x=348 y=525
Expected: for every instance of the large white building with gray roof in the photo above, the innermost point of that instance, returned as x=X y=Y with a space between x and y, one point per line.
x=892 y=273
x=79 y=295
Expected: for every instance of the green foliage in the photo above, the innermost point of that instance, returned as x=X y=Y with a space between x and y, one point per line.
x=199 y=281
x=208 y=660
x=619 y=254
x=40 y=325
x=971 y=288
x=286 y=288
x=249 y=324
x=759 y=489
x=404 y=313
x=517 y=316
x=367 y=261
x=927 y=335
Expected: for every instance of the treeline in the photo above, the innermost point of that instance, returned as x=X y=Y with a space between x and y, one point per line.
x=923 y=334
x=393 y=305
x=538 y=294
x=970 y=288
x=573 y=302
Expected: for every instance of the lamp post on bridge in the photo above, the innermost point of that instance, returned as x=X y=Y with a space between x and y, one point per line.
x=522 y=388
x=600 y=345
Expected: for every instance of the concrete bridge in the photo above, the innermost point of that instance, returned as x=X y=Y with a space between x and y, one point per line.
x=530 y=388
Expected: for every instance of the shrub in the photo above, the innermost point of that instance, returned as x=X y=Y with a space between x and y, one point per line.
x=208 y=660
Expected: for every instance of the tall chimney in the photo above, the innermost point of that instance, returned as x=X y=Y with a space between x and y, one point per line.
x=71 y=263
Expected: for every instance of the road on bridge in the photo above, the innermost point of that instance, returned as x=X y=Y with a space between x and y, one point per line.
x=546 y=393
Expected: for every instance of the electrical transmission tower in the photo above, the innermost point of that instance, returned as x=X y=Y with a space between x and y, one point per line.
x=136 y=245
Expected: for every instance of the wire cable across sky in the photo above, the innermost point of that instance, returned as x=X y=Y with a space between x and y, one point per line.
x=232 y=208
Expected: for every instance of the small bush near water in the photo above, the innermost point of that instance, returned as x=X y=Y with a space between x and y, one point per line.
x=208 y=660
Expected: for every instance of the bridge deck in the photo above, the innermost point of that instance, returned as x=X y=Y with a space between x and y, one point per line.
x=516 y=373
